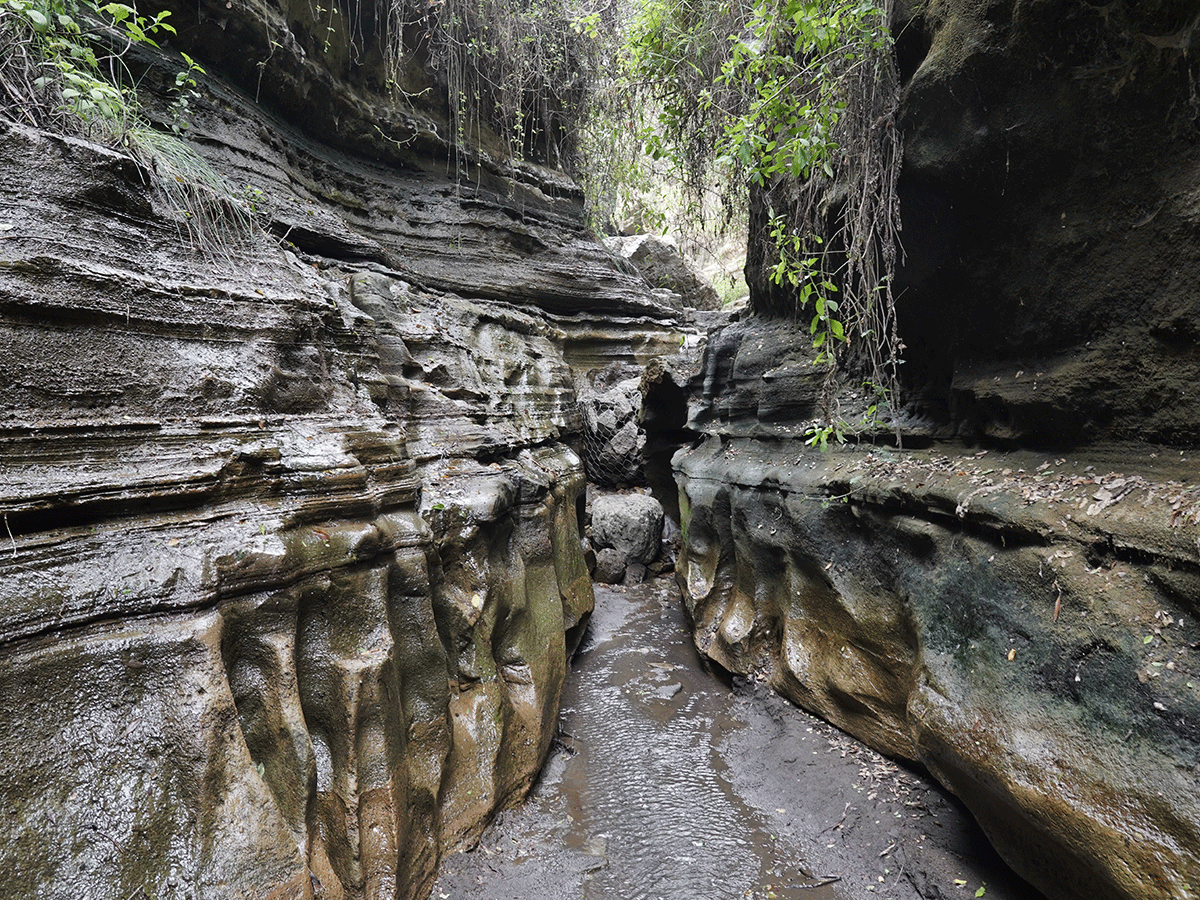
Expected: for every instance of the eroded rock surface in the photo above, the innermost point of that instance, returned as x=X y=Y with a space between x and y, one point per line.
x=1022 y=624
x=1050 y=204
x=291 y=558
x=1014 y=603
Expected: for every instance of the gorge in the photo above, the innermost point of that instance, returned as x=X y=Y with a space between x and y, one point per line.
x=291 y=559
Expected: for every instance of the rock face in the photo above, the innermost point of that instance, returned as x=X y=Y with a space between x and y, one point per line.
x=610 y=566
x=1050 y=209
x=1012 y=604
x=291 y=559
x=664 y=267
x=1043 y=667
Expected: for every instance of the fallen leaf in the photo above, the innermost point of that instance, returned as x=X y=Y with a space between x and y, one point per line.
x=1012 y=654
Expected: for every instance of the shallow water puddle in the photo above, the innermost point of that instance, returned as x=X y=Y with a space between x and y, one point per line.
x=638 y=803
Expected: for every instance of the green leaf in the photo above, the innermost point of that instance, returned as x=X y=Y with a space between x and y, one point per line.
x=119 y=11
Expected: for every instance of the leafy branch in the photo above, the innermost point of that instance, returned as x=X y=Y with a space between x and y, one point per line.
x=790 y=104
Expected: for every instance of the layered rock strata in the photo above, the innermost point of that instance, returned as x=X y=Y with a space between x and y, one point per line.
x=291 y=559
x=1012 y=604
x=1022 y=624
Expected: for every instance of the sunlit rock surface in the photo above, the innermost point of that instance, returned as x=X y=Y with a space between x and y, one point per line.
x=291 y=558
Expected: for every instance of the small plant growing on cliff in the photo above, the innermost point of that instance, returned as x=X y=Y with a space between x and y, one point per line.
x=62 y=62
x=62 y=68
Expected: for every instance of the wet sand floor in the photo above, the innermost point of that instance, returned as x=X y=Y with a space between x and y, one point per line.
x=670 y=785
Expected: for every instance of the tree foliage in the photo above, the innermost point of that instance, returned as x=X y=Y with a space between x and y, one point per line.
x=792 y=102
x=62 y=66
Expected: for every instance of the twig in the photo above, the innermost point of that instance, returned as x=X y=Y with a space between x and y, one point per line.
x=808 y=887
x=838 y=823
x=10 y=534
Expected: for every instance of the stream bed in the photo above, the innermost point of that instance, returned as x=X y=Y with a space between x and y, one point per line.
x=670 y=783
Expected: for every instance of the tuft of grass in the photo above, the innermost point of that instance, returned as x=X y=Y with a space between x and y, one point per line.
x=198 y=197
x=62 y=69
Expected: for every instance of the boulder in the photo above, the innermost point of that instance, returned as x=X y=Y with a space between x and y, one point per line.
x=635 y=573
x=610 y=566
x=666 y=269
x=631 y=524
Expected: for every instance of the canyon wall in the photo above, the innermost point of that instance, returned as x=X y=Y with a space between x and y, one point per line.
x=291 y=560
x=1011 y=599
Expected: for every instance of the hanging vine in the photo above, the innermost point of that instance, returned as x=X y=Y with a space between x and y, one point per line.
x=515 y=71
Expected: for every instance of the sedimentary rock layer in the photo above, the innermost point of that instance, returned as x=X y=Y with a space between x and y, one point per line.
x=1023 y=624
x=291 y=559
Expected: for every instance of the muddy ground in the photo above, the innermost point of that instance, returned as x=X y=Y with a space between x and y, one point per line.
x=671 y=782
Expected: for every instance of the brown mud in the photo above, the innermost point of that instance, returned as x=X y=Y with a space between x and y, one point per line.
x=672 y=782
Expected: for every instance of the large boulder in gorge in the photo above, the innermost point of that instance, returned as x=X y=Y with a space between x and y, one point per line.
x=664 y=267
x=631 y=524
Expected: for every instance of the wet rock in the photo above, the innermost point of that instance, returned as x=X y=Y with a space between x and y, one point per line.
x=291 y=554
x=610 y=566
x=1004 y=619
x=661 y=566
x=632 y=524
x=948 y=614
x=635 y=573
